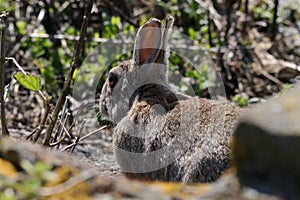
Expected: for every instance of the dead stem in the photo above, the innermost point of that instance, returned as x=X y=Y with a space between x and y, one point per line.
x=74 y=65
x=3 y=20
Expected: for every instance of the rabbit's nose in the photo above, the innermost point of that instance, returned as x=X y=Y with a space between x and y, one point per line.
x=159 y=109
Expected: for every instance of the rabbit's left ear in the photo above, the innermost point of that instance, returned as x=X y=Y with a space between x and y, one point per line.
x=163 y=55
x=148 y=42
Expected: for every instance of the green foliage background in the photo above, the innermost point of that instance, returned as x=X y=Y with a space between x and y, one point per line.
x=52 y=57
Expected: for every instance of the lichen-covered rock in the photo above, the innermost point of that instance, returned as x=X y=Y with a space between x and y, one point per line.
x=71 y=179
x=266 y=146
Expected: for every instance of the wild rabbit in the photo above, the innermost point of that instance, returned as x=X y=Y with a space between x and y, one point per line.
x=159 y=133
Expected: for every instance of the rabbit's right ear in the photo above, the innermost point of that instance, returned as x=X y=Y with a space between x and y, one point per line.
x=148 y=42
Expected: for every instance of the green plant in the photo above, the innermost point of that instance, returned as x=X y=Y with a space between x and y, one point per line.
x=243 y=101
x=263 y=11
x=201 y=80
x=286 y=87
x=6 y=6
x=26 y=185
x=33 y=83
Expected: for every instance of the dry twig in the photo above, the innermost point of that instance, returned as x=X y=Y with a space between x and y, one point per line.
x=74 y=65
x=17 y=64
x=84 y=137
x=3 y=24
x=64 y=136
x=77 y=137
x=274 y=25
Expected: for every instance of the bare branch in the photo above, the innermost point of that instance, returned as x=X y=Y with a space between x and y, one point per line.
x=76 y=38
x=92 y=133
x=62 y=119
x=17 y=64
x=83 y=138
x=274 y=25
x=77 y=137
x=3 y=25
x=45 y=117
x=74 y=66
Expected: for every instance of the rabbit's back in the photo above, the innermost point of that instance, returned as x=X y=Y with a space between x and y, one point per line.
x=160 y=134
x=180 y=141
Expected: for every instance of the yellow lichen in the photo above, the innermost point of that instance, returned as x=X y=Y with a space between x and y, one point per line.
x=7 y=169
x=63 y=174
x=182 y=191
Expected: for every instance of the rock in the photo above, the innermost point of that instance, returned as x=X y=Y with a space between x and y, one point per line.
x=266 y=146
x=69 y=177
x=229 y=187
x=72 y=179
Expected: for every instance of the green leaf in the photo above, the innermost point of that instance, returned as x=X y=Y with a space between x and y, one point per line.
x=22 y=27
x=240 y=100
x=115 y=20
x=30 y=82
x=191 y=33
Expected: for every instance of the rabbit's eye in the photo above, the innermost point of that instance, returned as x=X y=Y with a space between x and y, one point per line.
x=112 y=79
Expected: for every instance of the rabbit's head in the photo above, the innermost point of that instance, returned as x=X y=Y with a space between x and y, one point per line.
x=148 y=65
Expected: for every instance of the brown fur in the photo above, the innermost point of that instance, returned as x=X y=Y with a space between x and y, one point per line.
x=160 y=134
x=205 y=151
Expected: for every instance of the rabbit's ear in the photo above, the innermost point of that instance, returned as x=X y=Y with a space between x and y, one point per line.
x=148 y=42
x=163 y=55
